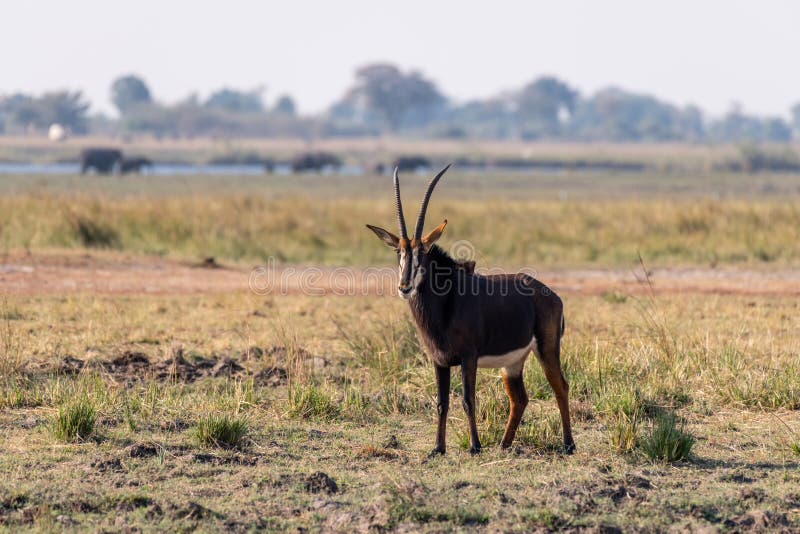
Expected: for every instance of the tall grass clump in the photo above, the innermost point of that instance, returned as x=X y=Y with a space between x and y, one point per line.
x=11 y=360
x=623 y=432
x=355 y=404
x=542 y=431
x=312 y=402
x=395 y=398
x=220 y=430
x=621 y=406
x=667 y=440
x=390 y=347
x=75 y=420
x=654 y=321
x=741 y=381
x=92 y=233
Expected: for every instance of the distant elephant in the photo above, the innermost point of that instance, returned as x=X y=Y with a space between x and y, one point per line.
x=102 y=160
x=134 y=164
x=315 y=161
x=412 y=163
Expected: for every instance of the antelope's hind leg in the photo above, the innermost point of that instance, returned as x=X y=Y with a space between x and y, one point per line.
x=550 y=358
x=518 y=400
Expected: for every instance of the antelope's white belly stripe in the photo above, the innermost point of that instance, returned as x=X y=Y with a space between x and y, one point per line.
x=508 y=359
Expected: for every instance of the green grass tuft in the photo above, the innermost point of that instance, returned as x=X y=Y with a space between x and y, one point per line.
x=312 y=402
x=667 y=440
x=623 y=432
x=75 y=420
x=220 y=430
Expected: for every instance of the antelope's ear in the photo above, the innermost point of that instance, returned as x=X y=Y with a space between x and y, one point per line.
x=434 y=235
x=389 y=239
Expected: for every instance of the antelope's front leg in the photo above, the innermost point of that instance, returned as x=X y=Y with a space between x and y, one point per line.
x=469 y=374
x=443 y=404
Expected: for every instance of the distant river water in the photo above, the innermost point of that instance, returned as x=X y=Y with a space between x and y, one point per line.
x=157 y=169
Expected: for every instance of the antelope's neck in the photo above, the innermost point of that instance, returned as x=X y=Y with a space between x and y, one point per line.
x=431 y=307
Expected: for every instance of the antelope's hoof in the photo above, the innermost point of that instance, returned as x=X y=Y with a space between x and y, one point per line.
x=437 y=451
x=569 y=448
x=475 y=450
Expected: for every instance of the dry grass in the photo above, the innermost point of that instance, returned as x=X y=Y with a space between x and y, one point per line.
x=360 y=408
x=297 y=230
x=230 y=411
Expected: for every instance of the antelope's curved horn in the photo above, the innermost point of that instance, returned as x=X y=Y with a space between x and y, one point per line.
x=401 y=220
x=424 y=207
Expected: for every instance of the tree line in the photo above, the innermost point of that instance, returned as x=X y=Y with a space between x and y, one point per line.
x=384 y=99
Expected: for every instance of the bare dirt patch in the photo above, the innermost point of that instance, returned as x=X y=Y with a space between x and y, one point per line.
x=134 y=366
x=117 y=274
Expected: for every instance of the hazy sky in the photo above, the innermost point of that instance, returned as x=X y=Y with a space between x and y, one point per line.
x=711 y=53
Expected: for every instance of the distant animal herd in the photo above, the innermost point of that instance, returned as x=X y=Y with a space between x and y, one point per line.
x=113 y=161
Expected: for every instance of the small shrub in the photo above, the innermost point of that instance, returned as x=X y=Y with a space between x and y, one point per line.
x=311 y=402
x=75 y=420
x=220 y=430
x=93 y=234
x=667 y=440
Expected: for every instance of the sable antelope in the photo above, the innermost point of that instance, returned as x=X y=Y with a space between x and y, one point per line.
x=472 y=320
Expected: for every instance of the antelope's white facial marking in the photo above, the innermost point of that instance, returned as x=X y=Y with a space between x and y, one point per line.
x=404 y=291
x=408 y=289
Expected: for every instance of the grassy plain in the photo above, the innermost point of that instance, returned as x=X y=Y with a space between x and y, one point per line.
x=339 y=386
x=228 y=410
x=511 y=220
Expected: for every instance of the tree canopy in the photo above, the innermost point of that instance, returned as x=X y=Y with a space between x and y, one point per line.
x=236 y=101
x=129 y=91
x=384 y=94
x=383 y=98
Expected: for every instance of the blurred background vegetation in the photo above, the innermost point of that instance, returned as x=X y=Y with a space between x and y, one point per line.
x=386 y=100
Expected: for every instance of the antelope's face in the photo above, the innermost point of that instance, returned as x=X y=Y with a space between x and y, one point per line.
x=411 y=257
x=411 y=253
x=411 y=273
